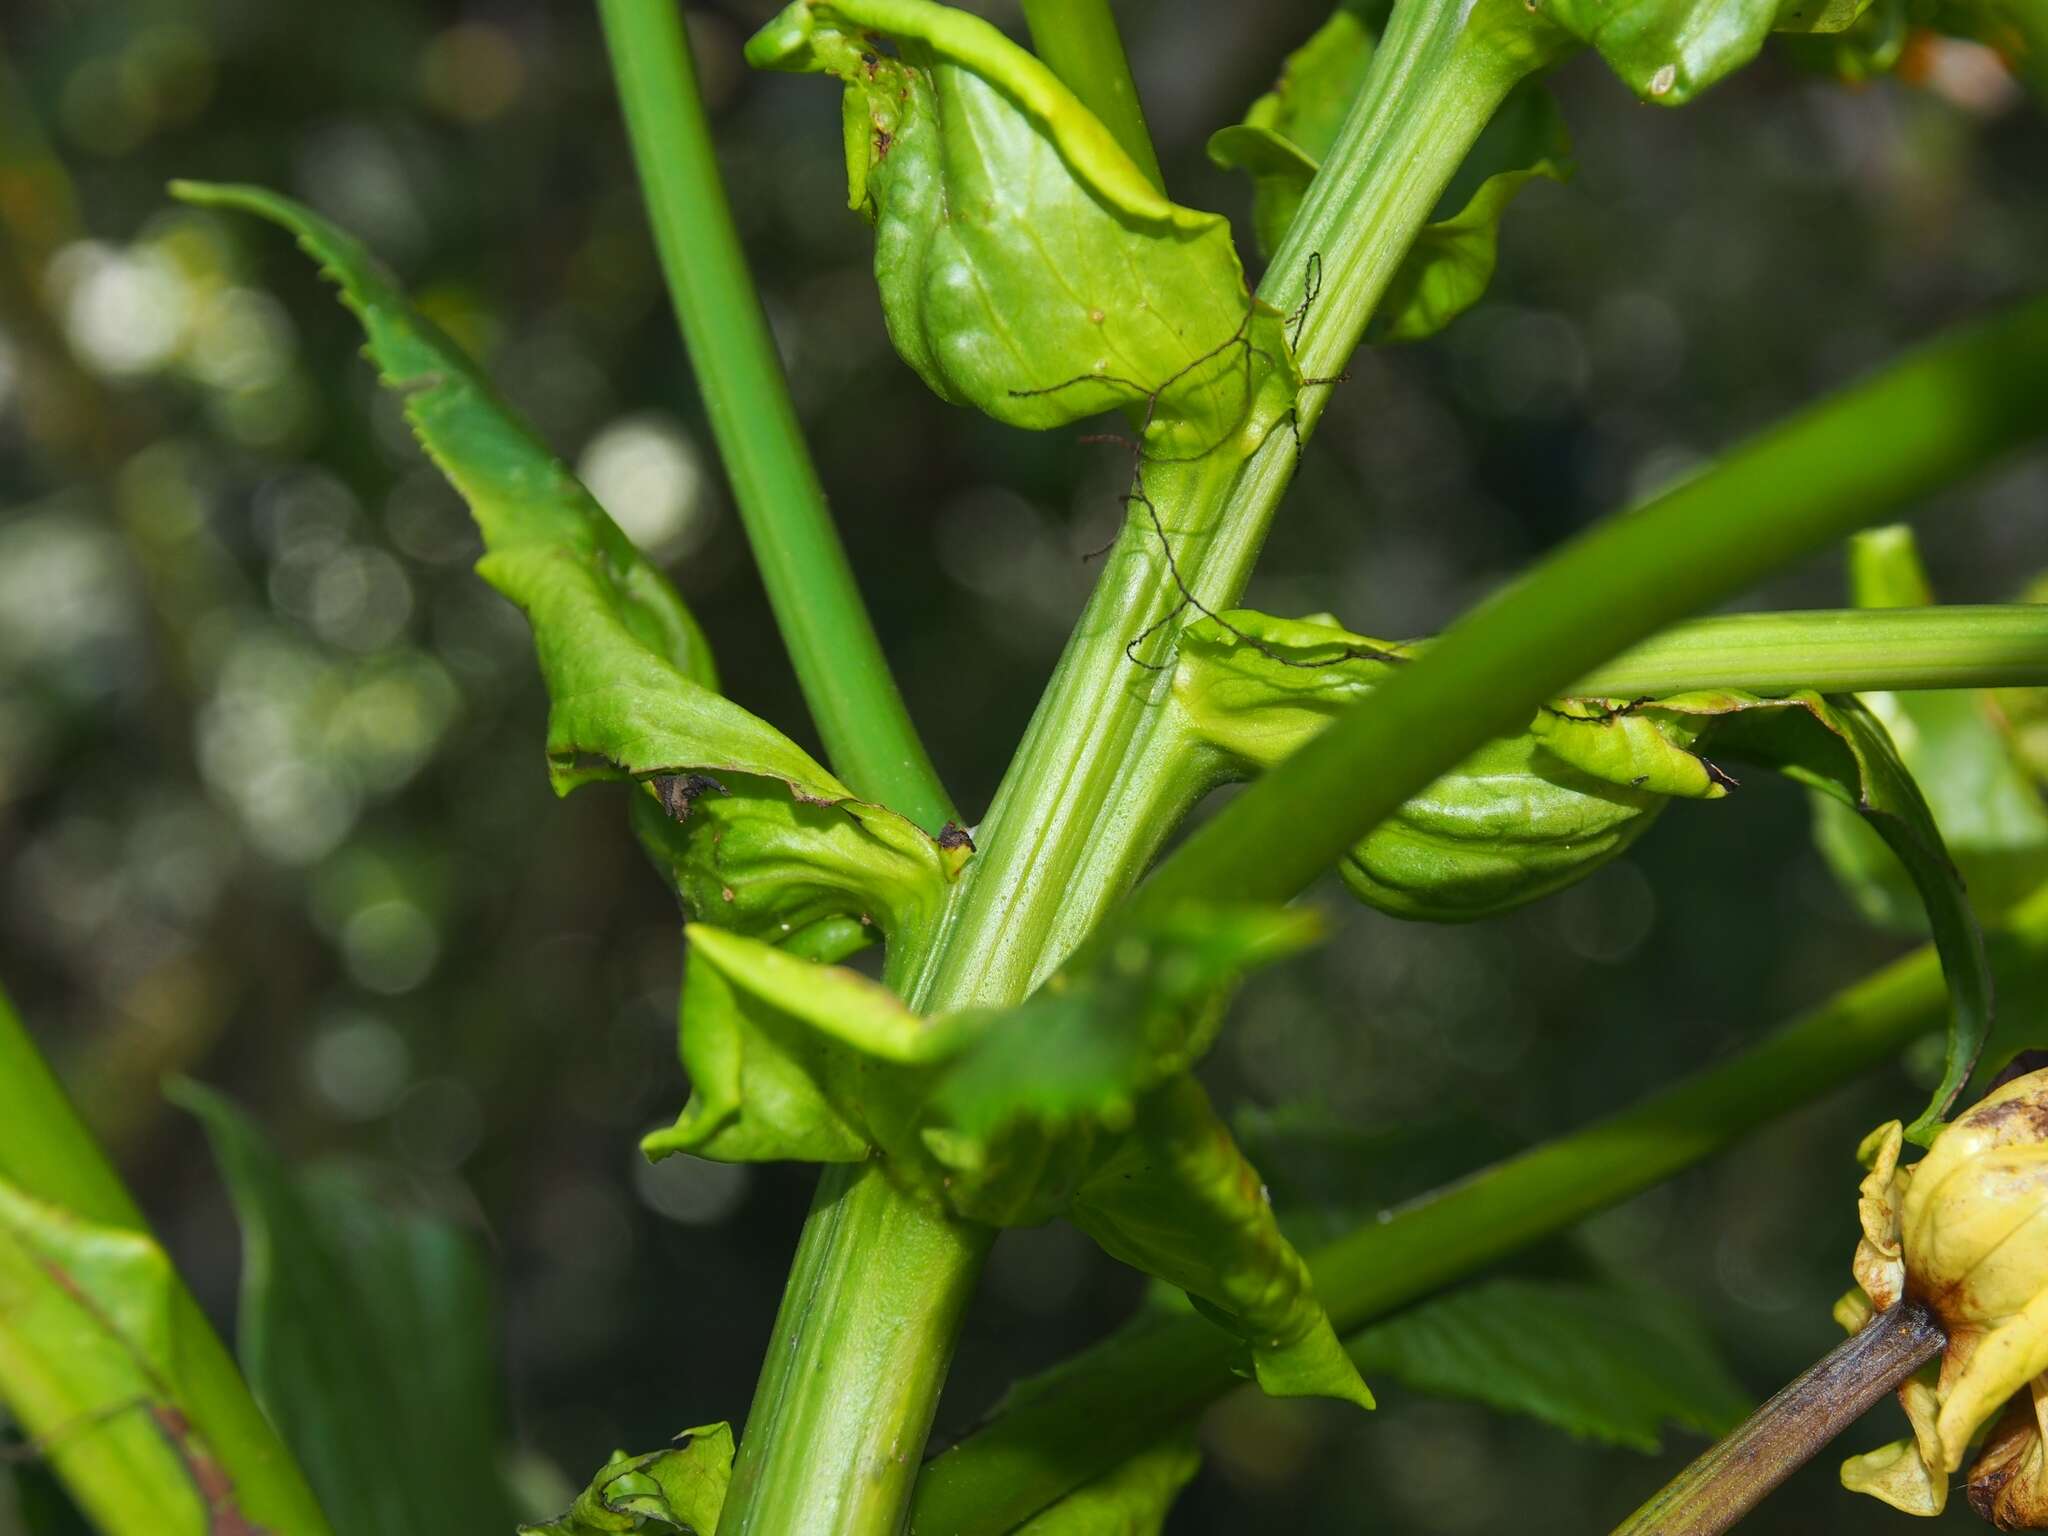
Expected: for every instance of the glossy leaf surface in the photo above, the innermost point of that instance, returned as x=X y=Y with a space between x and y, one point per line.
x=1512 y=823
x=368 y=1334
x=1026 y=265
x=680 y=1490
x=1668 y=51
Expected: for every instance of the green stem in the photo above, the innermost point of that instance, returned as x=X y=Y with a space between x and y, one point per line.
x=1788 y=1431
x=1437 y=76
x=872 y=1307
x=46 y=1151
x=1074 y=1424
x=860 y=716
x=1083 y=807
x=1843 y=650
x=1944 y=411
x=1076 y=816
x=1078 y=41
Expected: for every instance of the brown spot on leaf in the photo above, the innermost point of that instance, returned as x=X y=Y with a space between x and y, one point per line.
x=952 y=835
x=677 y=792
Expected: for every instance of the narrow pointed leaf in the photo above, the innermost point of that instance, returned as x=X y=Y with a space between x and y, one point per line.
x=1840 y=749
x=1084 y=1047
x=1959 y=746
x=1177 y=1199
x=368 y=1334
x=89 y=1368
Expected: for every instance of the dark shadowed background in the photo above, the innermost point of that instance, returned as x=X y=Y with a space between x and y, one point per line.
x=272 y=801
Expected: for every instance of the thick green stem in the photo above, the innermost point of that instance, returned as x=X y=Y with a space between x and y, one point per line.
x=1078 y=41
x=1076 y=818
x=1788 y=1431
x=860 y=716
x=1837 y=650
x=1083 y=807
x=46 y=1151
x=1942 y=412
x=861 y=1346
x=1077 y=1422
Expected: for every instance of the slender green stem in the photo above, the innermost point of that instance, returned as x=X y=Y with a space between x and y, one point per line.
x=1786 y=1433
x=853 y=699
x=1945 y=410
x=46 y=1151
x=1063 y=1429
x=1840 y=650
x=878 y=1284
x=1078 y=41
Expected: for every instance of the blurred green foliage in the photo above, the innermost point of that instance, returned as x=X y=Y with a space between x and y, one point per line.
x=273 y=802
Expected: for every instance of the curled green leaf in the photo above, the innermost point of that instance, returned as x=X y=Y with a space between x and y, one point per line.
x=1026 y=265
x=631 y=688
x=1084 y=1046
x=1178 y=1199
x=1961 y=748
x=741 y=853
x=680 y=1490
x=1075 y=1103
x=783 y=1057
x=1447 y=269
x=1514 y=822
x=1841 y=749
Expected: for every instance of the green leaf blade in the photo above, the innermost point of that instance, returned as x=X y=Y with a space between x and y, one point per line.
x=1133 y=1500
x=1598 y=1362
x=366 y=1334
x=89 y=1367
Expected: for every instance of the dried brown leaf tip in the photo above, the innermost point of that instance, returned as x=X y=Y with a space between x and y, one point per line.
x=1965 y=1232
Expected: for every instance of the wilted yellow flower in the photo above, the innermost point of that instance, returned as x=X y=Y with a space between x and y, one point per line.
x=1964 y=1232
